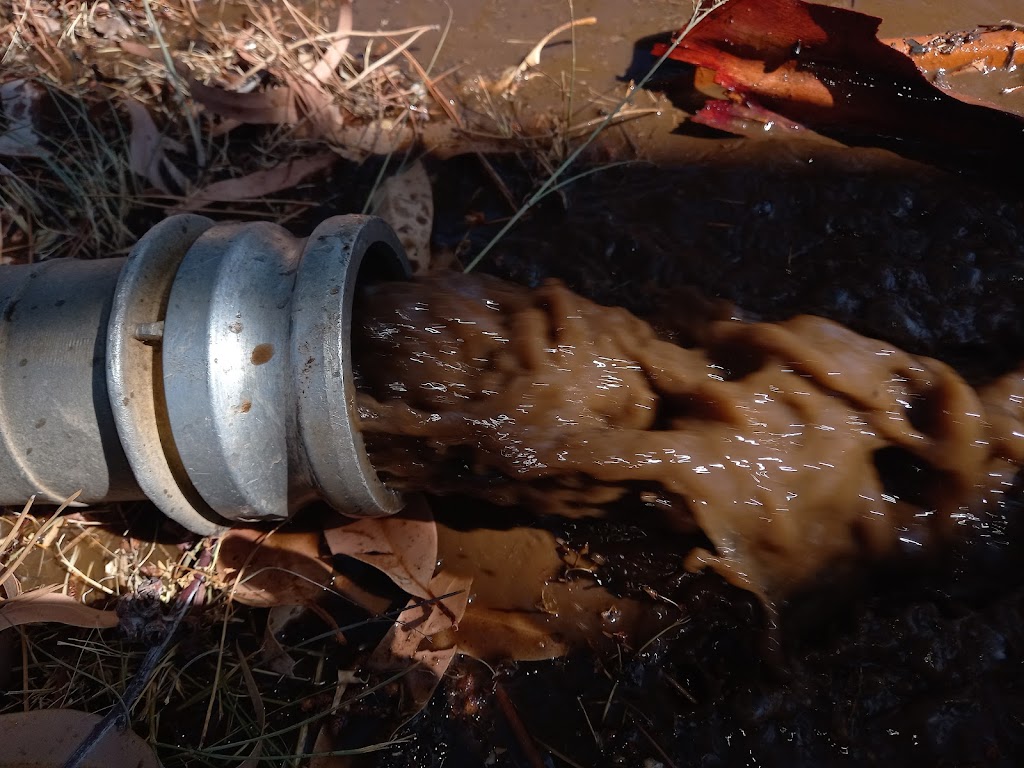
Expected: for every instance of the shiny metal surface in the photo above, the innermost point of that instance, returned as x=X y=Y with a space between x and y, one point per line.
x=212 y=374
x=135 y=371
x=57 y=432
x=227 y=376
x=341 y=252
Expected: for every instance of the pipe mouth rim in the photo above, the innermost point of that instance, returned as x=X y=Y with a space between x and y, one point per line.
x=341 y=253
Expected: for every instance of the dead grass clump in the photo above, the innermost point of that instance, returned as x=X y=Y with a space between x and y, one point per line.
x=113 y=115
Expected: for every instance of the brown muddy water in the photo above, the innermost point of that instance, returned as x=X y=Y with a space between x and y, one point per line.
x=790 y=445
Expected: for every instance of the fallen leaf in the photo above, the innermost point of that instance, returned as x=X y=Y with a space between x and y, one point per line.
x=274 y=106
x=271 y=569
x=273 y=655
x=411 y=650
x=410 y=643
x=43 y=606
x=48 y=737
x=406 y=202
x=109 y=23
x=148 y=148
x=19 y=99
x=328 y=64
x=402 y=546
x=261 y=183
x=533 y=57
x=825 y=68
x=284 y=569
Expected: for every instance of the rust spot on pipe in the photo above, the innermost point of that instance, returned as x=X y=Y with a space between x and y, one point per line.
x=262 y=353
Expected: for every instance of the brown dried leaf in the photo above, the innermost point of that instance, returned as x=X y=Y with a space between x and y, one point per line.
x=533 y=57
x=42 y=605
x=274 y=106
x=403 y=546
x=273 y=655
x=147 y=150
x=406 y=202
x=275 y=569
x=48 y=737
x=19 y=100
x=284 y=569
x=411 y=640
x=261 y=183
x=358 y=141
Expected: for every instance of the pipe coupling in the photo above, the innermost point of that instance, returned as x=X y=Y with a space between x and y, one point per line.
x=209 y=371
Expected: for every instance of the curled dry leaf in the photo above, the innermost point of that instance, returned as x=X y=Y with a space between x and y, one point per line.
x=328 y=64
x=148 y=148
x=267 y=570
x=533 y=57
x=261 y=183
x=825 y=68
x=19 y=99
x=402 y=546
x=48 y=737
x=406 y=202
x=43 y=606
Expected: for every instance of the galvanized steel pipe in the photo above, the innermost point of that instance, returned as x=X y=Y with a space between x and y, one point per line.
x=209 y=371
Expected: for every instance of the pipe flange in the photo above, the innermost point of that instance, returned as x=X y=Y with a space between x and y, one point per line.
x=135 y=372
x=341 y=252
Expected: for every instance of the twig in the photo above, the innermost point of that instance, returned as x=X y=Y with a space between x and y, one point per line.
x=179 y=93
x=508 y=709
x=118 y=716
x=699 y=14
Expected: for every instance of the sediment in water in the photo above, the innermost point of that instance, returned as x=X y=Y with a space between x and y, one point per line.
x=792 y=446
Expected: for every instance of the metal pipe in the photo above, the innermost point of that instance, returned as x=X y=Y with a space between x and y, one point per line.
x=209 y=371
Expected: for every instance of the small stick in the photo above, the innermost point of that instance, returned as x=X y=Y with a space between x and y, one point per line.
x=118 y=716
x=508 y=709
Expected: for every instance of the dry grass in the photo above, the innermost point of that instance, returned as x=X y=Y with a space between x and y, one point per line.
x=75 y=193
x=212 y=665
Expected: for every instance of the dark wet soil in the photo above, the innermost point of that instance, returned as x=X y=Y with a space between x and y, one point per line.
x=908 y=666
x=927 y=261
